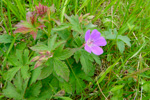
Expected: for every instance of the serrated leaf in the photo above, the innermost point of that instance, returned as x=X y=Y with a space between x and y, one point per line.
x=77 y=56
x=57 y=44
x=18 y=82
x=21 y=46
x=39 y=47
x=118 y=87
x=86 y=63
x=61 y=27
x=74 y=20
x=33 y=90
x=65 y=54
x=19 y=56
x=125 y=39
x=61 y=69
x=35 y=74
x=51 y=42
x=11 y=92
x=96 y=58
x=46 y=71
x=121 y=46
x=11 y=73
x=25 y=72
x=5 y=38
x=25 y=56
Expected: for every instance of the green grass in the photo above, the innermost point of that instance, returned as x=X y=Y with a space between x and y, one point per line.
x=121 y=75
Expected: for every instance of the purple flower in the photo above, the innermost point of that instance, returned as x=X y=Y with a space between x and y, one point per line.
x=93 y=41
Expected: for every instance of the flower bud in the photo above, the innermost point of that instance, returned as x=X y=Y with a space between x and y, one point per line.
x=37 y=64
x=35 y=58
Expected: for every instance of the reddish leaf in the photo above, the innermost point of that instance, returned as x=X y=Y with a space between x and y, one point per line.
x=34 y=34
x=22 y=30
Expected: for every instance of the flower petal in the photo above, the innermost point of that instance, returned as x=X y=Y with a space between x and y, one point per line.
x=87 y=35
x=87 y=48
x=97 y=50
x=100 y=41
x=95 y=34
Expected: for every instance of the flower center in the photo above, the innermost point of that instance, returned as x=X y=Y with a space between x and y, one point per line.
x=90 y=42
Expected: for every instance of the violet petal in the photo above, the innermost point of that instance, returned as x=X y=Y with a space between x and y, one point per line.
x=95 y=34
x=100 y=41
x=87 y=48
x=87 y=35
x=97 y=50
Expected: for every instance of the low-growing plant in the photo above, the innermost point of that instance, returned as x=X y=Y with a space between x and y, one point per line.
x=48 y=57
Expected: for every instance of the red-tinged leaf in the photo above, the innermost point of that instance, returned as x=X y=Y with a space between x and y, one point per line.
x=34 y=34
x=20 y=24
x=41 y=26
x=24 y=24
x=23 y=30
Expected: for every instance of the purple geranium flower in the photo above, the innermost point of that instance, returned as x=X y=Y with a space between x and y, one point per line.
x=93 y=41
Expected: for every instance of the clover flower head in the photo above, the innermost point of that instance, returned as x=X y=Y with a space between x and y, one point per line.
x=93 y=41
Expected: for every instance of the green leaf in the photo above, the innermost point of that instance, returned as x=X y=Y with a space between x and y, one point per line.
x=121 y=46
x=25 y=72
x=96 y=58
x=46 y=71
x=65 y=54
x=61 y=69
x=25 y=56
x=33 y=90
x=61 y=27
x=77 y=56
x=40 y=47
x=11 y=73
x=11 y=92
x=5 y=38
x=125 y=39
x=57 y=44
x=18 y=82
x=74 y=20
x=35 y=74
x=19 y=56
x=21 y=46
x=118 y=87
x=51 y=42
x=86 y=63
